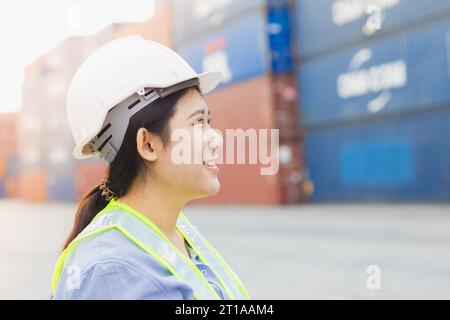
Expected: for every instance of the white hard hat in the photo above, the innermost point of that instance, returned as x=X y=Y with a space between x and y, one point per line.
x=131 y=72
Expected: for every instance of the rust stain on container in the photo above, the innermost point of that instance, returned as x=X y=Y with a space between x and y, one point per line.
x=285 y=111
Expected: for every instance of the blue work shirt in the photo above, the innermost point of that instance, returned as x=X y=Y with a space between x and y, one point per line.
x=110 y=266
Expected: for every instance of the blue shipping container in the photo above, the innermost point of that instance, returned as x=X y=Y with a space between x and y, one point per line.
x=60 y=188
x=239 y=50
x=192 y=17
x=279 y=22
x=405 y=158
x=402 y=72
x=12 y=164
x=2 y=189
x=325 y=24
x=58 y=156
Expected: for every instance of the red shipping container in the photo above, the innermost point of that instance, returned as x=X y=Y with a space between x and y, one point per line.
x=2 y=165
x=12 y=187
x=33 y=187
x=247 y=105
x=87 y=176
x=285 y=99
x=266 y=102
x=8 y=132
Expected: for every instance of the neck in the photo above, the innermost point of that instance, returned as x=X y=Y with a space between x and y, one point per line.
x=158 y=204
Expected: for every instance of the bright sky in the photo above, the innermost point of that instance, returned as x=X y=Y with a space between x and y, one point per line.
x=29 y=28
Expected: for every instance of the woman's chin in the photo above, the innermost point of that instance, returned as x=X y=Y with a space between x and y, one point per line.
x=215 y=188
x=210 y=189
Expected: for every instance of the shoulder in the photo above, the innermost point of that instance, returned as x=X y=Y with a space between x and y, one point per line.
x=109 y=246
x=109 y=266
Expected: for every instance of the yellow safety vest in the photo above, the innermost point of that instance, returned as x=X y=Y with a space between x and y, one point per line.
x=147 y=236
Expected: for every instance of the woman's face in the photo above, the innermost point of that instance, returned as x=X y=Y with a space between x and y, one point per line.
x=187 y=163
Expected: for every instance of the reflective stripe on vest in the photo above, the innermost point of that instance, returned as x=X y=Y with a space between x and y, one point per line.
x=227 y=278
x=143 y=233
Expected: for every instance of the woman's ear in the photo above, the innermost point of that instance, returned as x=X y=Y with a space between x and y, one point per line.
x=148 y=144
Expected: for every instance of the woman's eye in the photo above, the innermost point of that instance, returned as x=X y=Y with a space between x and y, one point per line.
x=201 y=121
x=198 y=121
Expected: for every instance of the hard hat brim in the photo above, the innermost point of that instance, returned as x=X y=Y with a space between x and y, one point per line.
x=208 y=81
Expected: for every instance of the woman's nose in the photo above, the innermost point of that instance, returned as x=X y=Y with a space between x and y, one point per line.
x=215 y=139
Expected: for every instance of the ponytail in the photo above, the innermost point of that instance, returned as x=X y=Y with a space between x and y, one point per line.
x=91 y=204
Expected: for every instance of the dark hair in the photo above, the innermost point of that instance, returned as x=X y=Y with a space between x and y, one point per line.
x=128 y=165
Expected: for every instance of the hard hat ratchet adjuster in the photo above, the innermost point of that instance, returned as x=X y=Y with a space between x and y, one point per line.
x=109 y=139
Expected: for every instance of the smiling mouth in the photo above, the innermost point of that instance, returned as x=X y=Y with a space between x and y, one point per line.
x=210 y=164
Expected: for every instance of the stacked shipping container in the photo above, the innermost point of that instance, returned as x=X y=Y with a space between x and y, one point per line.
x=8 y=155
x=250 y=42
x=31 y=129
x=48 y=170
x=375 y=101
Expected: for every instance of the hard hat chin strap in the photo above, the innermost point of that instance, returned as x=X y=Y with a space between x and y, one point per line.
x=109 y=139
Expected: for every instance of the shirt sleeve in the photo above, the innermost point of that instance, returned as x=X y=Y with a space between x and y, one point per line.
x=119 y=281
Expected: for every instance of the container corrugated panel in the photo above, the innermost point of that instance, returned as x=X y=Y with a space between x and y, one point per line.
x=326 y=24
x=33 y=186
x=55 y=88
x=406 y=158
x=285 y=111
x=60 y=188
x=60 y=160
x=2 y=165
x=57 y=70
x=291 y=172
x=223 y=50
x=12 y=186
x=399 y=73
x=247 y=105
x=12 y=164
x=33 y=139
x=279 y=22
x=59 y=142
x=2 y=189
x=9 y=164
x=11 y=174
x=8 y=132
x=193 y=17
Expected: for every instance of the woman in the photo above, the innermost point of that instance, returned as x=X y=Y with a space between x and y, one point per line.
x=131 y=102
